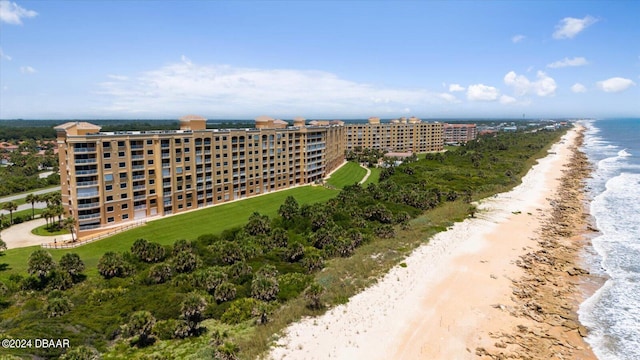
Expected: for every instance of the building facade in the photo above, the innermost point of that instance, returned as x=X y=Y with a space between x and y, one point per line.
x=400 y=135
x=459 y=133
x=111 y=178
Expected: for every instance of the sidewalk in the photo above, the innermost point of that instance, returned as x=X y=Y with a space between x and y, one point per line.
x=20 y=235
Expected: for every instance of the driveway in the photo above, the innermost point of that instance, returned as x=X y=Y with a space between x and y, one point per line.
x=20 y=235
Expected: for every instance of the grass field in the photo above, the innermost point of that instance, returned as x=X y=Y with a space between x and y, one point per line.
x=165 y=231
x=374 y=178
x=349 y=174
x=42 y=231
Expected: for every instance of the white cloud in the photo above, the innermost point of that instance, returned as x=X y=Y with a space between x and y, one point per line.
x=4 y=56
x=578 y=88
x=543 y=86
x=576 y=61
x=11 y=13
x=481 y=92
x=448 y=97
x=517 y=38
x=27 y=70
x=570 y=27
x=456 y=87
x=505 y=99
x=615 y=84
x=118 y=77
x=224 y=90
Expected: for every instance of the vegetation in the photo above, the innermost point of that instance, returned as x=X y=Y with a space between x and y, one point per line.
x=229 y=291
x=25 y=165
x=349 y=174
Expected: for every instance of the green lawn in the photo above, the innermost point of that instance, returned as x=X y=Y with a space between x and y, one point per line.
x=374 y=178
x=167 y=230
x=42 y=231
x=349 y=174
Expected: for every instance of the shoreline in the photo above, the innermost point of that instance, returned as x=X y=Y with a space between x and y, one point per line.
x=453 y=299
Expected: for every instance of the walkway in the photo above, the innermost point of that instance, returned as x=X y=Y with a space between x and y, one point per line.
x=20 y=235
x=366 y=176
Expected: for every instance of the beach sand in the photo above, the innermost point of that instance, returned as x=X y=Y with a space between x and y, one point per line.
x=467 y=294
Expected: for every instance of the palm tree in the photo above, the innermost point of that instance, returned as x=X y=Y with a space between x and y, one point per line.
x=32 y=198
x=70 y=224
x=10 y=207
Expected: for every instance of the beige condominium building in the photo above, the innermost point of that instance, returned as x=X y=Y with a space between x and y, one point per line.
x=112 y=178
x=459 y=133
x=398 y=135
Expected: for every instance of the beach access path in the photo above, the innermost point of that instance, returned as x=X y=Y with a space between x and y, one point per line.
x=444 y=303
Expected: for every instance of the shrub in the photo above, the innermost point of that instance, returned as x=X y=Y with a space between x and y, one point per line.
x=312 y=294
x=291 y=285
x=112 y=264
x=208 y=279
x=264 y=288
x=293 y=252
x=166 y=329
x=313 y=261
x=224 y=292
x=139 y=328
x=57 y=306
x=185 y=262
x=191 y=311
x=240 y=310
x=72 y=264
x=160 y=273
x=40 y=263
x=149 y=252
x=81 y=352
x=59 y=280
x=240 y=272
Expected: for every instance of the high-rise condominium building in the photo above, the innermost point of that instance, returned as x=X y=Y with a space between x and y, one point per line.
x=399 y=135
x=459 y=133
x=110 y=178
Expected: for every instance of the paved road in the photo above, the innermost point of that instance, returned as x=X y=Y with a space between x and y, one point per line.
x=22 y=196
x=38 y=205
x=20 y=235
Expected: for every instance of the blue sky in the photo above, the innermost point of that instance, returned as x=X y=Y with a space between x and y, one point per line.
x=325 y=59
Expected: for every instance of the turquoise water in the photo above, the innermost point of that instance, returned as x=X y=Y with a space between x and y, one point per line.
x=612 y=314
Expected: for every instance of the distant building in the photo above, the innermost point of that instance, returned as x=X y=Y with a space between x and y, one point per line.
x=399 y=135
x=459 y=133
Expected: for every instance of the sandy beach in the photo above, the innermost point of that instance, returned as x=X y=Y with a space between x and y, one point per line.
x=501 y=285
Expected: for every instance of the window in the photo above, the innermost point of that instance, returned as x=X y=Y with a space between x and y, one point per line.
x=149 y=152
x=120 y=153
x=124 y=206
x=108 y=177
x=120 y=143
x=123 y=185
x=125 y=216
x=106 y=144
x=149 y=142
x=152 y=201
x=180 y=197
x=106 y=155
x=123 y=175
x=123 y=196
x=149 y=162
x=152 y=181
x=187 y=159
x=178 y=160
x=110 y=219
x=109 y=208
x=108 y=187
x=188 y=204
x=180 y=206
x=122 y=164
x=109 y=198
x=152 y=191
x=186 y=140
x=107 y=166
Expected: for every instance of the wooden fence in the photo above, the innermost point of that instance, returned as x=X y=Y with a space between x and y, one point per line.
x=71 y=245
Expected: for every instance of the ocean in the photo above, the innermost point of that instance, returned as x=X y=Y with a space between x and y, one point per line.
x=612 y=313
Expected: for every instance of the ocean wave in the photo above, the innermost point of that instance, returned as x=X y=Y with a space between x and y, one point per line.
x=624 y=153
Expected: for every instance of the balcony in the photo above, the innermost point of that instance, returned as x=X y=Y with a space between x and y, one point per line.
x=137 y=147
x=86 y=183
x=84 y=150
x=166 y=165
x=138 y=177
x=88 y=217
x=139 y=197
x=87 y=172
x=139 y=187
x=137 y=167
x=92 y=205
x=86 y=161
x=137 y=157
x=140 y=207
x=88 y=195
